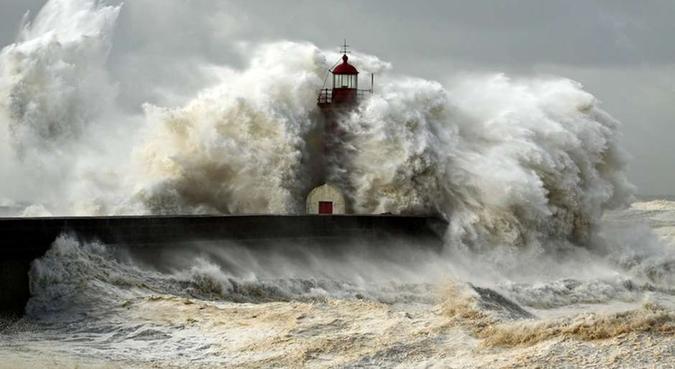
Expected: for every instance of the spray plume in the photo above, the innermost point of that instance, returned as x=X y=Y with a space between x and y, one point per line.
x=507 y=162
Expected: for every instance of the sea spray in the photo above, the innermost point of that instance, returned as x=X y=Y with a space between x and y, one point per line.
x=54 y=87
x=537 y=166
x=508 y=162
x=54 y=78
x=239 y=147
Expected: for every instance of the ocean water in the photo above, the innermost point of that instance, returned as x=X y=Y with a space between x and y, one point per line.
x=97 y=308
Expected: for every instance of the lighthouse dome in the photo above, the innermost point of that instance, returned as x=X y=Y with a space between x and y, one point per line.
x=345 y=67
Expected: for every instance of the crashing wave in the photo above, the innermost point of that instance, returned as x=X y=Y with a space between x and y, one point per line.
x=54 y=80
x=508 y=162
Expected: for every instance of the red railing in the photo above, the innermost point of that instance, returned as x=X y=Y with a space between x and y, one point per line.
x=325 y=96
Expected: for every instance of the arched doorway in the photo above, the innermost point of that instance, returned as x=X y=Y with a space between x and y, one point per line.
x=325 y=200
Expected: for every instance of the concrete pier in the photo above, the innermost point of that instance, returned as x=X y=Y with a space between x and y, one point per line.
x=22 y=240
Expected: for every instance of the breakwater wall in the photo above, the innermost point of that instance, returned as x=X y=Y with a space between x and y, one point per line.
x=22 y=240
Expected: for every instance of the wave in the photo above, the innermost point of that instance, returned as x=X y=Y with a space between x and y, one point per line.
x=650 y=318
x=78 y=278
x=240 y=147
x=227 y=304
x=500 y=322
x=509 y=162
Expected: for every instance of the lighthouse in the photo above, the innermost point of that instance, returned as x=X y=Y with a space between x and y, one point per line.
x=342 y=96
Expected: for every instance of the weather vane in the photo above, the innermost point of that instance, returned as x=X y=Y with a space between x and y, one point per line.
x=344 y=49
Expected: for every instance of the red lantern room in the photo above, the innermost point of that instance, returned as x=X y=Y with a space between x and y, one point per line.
x=345 y=82
x=345 y=90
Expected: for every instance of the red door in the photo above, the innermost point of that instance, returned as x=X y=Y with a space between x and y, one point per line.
x=325 y=207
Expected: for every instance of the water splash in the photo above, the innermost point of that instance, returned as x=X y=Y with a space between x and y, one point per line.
x=54 y=78
x=510 y=163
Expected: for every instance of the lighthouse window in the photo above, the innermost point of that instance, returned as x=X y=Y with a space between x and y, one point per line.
x=344 y=81
x=341 y=81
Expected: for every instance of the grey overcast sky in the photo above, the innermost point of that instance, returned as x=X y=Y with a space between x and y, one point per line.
x=621 y=51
